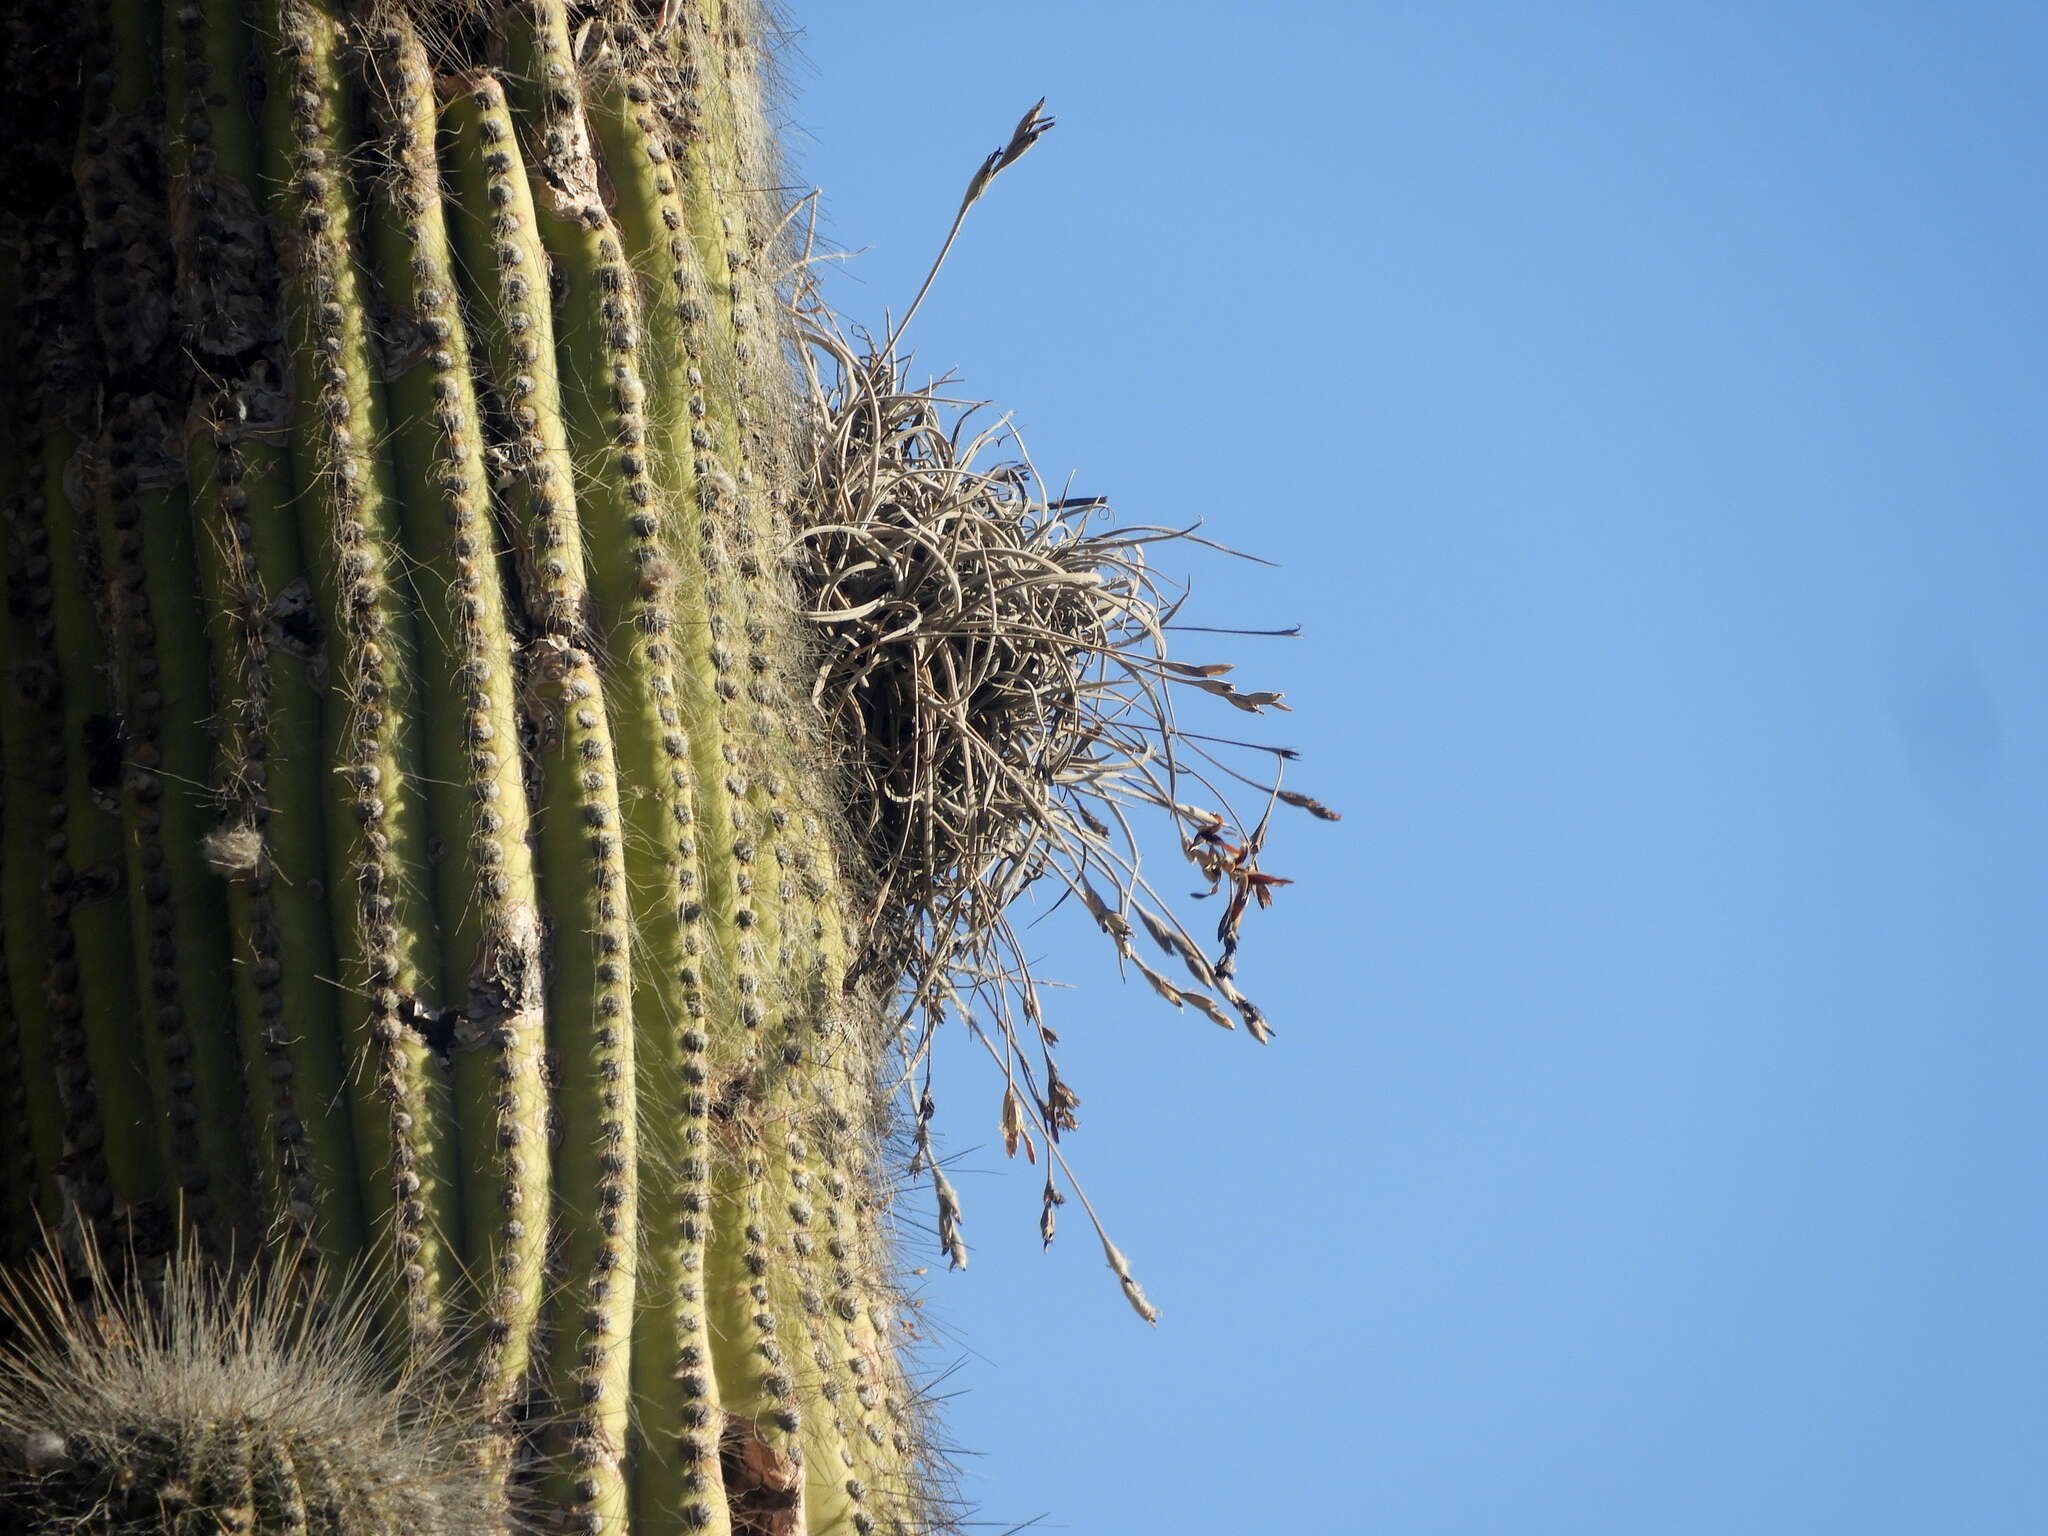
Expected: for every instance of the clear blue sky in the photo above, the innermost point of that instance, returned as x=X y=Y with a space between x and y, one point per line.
x=1646 y=406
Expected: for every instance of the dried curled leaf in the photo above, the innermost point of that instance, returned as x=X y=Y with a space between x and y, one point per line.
x=1314 y=807
x=1133 y=1292
x=1048 y=1222
x=950 y=1242
x=1014 y=1134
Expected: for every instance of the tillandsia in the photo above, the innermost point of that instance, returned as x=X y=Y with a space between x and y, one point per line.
x=993 y=667
x=508 y=713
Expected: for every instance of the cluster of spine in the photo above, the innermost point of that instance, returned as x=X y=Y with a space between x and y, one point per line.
x=412 y=848
x=199 y=1398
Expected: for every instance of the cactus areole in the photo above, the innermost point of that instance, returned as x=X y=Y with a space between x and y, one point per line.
x=411 y=846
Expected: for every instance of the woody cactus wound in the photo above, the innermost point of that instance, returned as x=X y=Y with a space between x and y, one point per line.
x=515 y=732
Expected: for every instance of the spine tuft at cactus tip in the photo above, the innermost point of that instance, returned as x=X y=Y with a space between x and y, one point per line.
x=189 y=1399
x=479 y=840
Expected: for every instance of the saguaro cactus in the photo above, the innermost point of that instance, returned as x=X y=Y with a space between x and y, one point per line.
x=492 y=705
x=411 y=847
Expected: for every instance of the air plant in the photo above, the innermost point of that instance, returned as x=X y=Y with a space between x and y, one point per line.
x=991 y=661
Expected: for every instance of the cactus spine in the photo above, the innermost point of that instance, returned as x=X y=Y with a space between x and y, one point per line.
x=414 y=854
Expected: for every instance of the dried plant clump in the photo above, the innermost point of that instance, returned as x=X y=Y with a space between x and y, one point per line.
x=208 y=1401
x=992 y=664
x=993 y=661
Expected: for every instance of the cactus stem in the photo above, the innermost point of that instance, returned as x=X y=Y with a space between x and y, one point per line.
x=476 y=792
x=291 y=1046
x=176 y=914
x=409 y=776
x=91 y=982
x=592 y=1004
x=507 y=280
x=378 y=832
x=268 y=849
x=27 y=724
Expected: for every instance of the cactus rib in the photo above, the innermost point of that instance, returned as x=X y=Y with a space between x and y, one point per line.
x=476 y=793
x=268 y=848
x=377 y=831
x=593 y=1006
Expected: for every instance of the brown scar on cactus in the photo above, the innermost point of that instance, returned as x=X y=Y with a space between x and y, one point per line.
x=764 y=1487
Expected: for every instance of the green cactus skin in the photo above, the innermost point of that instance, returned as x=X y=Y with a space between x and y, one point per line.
x=378 y=832
x=27 y=1066
x=177 y=912
x=411 y=844
x=269 y=776
x=93 y=991
x=484 y=873
x=593 y=1007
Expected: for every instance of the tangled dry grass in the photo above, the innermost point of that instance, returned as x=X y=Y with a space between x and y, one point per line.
x=998 y=665
x=994 y=664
